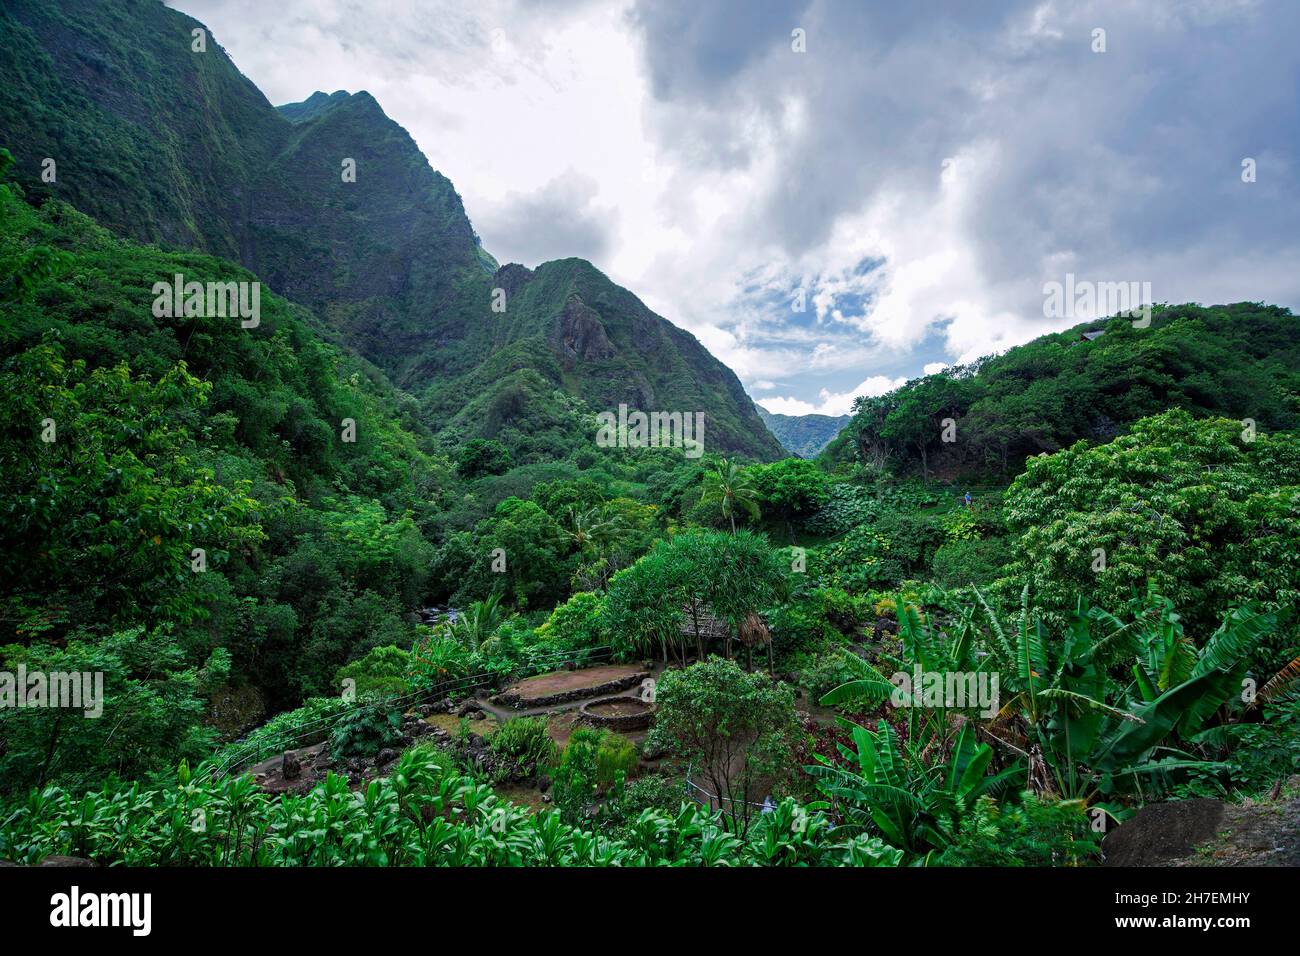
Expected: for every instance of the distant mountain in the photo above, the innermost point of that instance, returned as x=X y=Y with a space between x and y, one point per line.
x=803 y=435
x=174 y=146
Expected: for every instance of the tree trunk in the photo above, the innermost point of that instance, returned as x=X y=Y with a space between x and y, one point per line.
x=49 y=751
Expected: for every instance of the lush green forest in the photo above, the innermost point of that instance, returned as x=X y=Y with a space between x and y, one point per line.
x=361 y=598
x=152 y=136
x=1238 y=361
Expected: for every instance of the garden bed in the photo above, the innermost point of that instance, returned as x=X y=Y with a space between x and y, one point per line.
x=563 y=687
x=618 y=713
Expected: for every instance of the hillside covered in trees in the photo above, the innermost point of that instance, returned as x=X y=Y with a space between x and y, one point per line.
x=1241 y=361
x=332 y=204
x=803 y=435
x=363 y=587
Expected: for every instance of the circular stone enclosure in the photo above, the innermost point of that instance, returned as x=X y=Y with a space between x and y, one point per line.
x=618 y=713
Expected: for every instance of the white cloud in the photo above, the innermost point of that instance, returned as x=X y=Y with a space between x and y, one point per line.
x=713 y=171
x=832 y=403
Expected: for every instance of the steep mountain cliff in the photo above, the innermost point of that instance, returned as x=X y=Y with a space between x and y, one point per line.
x=170 y=144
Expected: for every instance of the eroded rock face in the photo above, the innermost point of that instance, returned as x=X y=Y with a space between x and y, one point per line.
x=580 y=335
x=512 y=277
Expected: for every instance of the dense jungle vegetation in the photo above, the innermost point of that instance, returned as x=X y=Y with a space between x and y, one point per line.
x=1121 y=683
x=346 y=534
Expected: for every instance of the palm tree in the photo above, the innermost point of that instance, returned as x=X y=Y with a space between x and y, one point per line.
x=596 y=531
x=478 y=622
x=731 y=487
x=593 y=529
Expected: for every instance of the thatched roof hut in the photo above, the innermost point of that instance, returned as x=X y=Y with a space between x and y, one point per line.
x=753 y=631
x=701 y=622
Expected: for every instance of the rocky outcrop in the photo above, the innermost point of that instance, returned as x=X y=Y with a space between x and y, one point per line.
x=580 y=335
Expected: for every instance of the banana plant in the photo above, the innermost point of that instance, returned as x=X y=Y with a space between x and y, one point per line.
x=914 y=807
x=1097 y=737
x=925 y=645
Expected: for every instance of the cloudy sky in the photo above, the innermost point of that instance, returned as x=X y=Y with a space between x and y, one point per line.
x=911 y=179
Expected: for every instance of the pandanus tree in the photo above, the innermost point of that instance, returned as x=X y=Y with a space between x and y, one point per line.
x=731 y=576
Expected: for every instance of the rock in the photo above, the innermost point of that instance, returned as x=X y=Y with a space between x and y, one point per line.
x=385 y=756
x=290 y=766
x=543 y=783
x=475 y=715
x=1162 y=831
x=546 y=798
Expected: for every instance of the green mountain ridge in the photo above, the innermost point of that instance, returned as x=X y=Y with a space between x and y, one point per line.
x=803 y=435
x=1238 y=361
x=176 y=147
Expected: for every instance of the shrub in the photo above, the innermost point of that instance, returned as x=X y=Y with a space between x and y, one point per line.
x=365 y=731
x=577 y=623
x=302 y=727
x=614 y=753
x=522 y=747
x=593 y=760
x=1035 y=832
x=962 y=563
x=827 y=672
x=381 y=673
x=846 y=507
x=651 y=792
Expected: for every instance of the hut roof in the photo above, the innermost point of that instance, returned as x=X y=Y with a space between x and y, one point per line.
x=753 y=630
x=701 y=619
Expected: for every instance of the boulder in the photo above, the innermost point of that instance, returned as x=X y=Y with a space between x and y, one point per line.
x=1161 y=832
x=290 y=766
